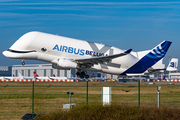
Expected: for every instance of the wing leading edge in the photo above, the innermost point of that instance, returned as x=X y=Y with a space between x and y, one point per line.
x=96 y=60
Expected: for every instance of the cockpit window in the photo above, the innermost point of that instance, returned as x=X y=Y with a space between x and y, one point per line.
x=15 y=51
x=43 y=49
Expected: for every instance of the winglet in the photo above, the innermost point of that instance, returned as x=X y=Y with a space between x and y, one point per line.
x=128 y=51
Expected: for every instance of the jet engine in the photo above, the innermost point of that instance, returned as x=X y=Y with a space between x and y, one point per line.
x=64 y=64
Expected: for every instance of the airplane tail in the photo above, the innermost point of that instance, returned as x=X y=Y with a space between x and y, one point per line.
x=164 y=77
x=35 y=74
x=20 y=75
x=152 y=57
x=172 y=65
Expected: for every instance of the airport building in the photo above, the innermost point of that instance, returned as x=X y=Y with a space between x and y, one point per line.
x=5 y=71
x=45 y=70
x=175 y=74
x=167 y=74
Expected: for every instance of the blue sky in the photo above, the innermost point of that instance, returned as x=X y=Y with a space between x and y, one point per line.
x=137 y=25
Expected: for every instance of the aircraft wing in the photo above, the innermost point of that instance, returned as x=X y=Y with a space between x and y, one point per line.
x=96 y=60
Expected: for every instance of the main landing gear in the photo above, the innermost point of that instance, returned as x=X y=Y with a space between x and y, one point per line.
x=82 y=74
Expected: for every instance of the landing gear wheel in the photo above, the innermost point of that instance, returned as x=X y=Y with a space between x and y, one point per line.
x=82 y=74
x=86 y=76
x=78 y=73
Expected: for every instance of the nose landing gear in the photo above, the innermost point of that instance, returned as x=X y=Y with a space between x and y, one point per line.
x=82 y=74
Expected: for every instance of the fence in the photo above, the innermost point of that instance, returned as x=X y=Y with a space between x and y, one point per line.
x=16 y=98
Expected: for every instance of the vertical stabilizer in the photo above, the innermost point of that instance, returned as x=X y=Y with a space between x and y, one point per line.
x=20 y=75
x=151 y=58
x=35 y=74
x=173 y=64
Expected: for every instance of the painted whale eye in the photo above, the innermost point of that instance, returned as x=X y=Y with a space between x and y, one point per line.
x=43 y=49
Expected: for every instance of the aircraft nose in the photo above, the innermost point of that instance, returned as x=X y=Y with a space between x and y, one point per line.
x=5 y=53
x=9 y=54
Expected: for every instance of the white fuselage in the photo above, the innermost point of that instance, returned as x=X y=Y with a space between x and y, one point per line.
x=50 y=48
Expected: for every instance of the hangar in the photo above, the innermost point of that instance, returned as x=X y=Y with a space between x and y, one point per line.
x=41 y=69
x=47 y=70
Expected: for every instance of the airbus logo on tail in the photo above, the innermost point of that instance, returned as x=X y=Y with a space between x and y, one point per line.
x=159 y=51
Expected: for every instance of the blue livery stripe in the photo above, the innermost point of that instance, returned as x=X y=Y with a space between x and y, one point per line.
x=150 y=59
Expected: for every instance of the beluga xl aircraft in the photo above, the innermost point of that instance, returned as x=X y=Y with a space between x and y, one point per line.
x=67 y=53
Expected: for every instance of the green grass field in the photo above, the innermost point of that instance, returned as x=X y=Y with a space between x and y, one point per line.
x=15 y=102
x=114 y=111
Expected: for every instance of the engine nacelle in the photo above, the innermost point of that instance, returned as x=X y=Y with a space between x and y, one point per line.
x=65 y=64
x=55 y=66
